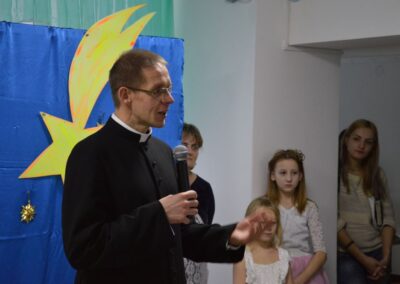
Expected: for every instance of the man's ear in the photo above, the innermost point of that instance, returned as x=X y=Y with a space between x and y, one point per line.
x=123 y=95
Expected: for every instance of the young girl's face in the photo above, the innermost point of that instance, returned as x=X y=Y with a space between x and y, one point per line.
x=286 y=175
x=360 y=143
x=268 y=234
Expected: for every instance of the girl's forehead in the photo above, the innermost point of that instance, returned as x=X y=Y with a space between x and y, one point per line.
x=364 y=132
x=287 y=163
x=267 y=210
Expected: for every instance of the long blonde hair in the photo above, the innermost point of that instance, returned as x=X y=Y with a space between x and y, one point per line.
x=300 y=194
x=264 y=202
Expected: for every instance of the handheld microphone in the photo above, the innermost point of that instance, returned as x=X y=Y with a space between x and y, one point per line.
x=180 y=154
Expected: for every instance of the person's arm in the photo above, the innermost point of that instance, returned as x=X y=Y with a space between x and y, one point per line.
x=370 y=263
x=289 y=276
x=315 y=264
x=206 y=200
x=239 y=273
x=388 y=231
x=205 y=243
x=249 y=228
x=319 y=258
x=387 y=241
x=211 y=209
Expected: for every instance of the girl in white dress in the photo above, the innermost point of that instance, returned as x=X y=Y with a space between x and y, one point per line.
x=302 y=229
x=264 y=261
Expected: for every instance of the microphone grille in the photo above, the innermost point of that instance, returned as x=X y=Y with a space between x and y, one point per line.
x=180 y=153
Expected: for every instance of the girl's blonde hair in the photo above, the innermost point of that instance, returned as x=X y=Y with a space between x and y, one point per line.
x=300 y=194
x=264 y=202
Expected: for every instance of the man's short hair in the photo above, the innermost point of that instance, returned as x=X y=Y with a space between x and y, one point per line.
x=128 y=69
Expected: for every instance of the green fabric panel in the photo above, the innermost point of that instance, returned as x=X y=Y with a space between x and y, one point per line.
x=82 y=14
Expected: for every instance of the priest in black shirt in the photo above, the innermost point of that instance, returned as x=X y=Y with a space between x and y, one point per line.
x=123 y=219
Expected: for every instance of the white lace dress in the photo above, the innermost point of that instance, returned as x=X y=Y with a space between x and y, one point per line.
x=274 y=273
x=196 y=272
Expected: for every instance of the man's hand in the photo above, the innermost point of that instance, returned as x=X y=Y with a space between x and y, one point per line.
x=250 y=228
x=179 y=207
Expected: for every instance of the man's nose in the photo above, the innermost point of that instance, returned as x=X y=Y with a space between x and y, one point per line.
x=168 y=98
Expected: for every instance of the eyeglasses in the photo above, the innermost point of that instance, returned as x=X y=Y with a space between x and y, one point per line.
x=160 y=93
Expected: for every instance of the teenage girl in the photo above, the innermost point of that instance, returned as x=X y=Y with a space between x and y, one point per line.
x=302 y=229
x=366 y=220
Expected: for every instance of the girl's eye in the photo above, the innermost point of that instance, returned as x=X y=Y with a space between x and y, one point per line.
x=369 y=142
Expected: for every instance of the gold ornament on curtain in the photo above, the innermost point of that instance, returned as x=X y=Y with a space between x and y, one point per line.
x=28 y=211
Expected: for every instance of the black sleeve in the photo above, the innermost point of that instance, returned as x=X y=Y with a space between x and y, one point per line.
x=207 y=243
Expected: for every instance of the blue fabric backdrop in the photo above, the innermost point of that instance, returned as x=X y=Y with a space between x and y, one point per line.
x=34 y=66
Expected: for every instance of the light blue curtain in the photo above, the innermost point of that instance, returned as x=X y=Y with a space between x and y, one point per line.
x=82 y=14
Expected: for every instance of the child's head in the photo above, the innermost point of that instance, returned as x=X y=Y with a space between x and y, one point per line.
x=360 y=143
x=359 y=146
x=286 y=175
x=191 y=138
x=272 y=232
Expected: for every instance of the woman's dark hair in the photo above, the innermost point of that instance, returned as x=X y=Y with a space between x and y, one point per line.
x=190 y=129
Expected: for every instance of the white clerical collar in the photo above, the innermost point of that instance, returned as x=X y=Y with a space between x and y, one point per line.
x=143 y=136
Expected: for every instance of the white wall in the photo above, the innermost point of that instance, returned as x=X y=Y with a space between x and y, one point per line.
x=296 y=106
x=326 y=20
x=249 y=98
x=370 y=88
x=218 y=89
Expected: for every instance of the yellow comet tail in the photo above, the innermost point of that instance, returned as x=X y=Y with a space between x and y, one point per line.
x=99 y=48
x=95 y=56
x=101 y=45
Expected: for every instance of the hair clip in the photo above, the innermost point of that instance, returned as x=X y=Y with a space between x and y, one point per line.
x=300 y=155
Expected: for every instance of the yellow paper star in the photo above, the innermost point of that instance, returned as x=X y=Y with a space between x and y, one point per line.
x=65 y=135
x=101 y=45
